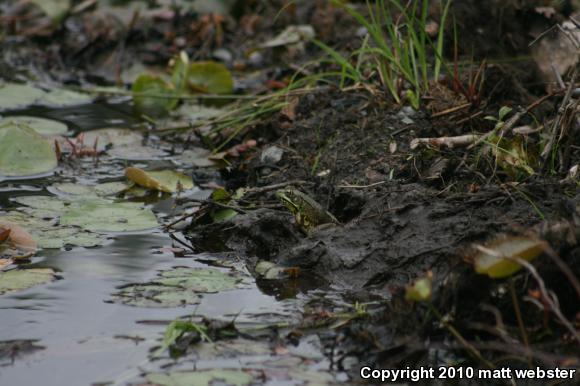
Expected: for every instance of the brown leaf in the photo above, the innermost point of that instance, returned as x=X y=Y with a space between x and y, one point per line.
x=19 y=242
x=4 y=233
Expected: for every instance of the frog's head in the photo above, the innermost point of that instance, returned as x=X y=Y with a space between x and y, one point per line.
x=288 y=197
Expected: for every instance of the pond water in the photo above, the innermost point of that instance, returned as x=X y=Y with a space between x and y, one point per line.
x=84 y=339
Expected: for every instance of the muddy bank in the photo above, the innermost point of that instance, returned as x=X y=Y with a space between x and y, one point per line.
x=403 y=213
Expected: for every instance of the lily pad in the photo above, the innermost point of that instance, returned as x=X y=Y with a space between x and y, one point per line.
x=98 y=215
x=163 y=181
x=24 y=152
x=232 y=377
x=496 y=258
x=176 y=287
x=199 y=279
x=63 y=97
x=196 y=157
x=43 y=126
x=210 y=77
x=153 y=96
x=14 y=95
x=48 y=235
x=121 y=143
x=102 y=190
x=42 y=206
x=155 y=296
x=91 y=213
x=18 y=280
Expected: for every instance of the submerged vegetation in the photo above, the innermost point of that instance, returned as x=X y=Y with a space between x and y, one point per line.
x=386 y=183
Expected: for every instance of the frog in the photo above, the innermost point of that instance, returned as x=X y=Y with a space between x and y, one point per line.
x=308 y=213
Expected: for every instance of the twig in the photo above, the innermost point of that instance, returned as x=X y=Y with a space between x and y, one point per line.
x=449 y=142
x=503 y=129
x=451 y=110
x=261 y=189
x=348 y=186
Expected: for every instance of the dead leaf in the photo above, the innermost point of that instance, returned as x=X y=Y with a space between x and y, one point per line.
x=5 y=263
x=18 y=242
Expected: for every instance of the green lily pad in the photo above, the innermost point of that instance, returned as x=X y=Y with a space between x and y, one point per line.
x=24 y=152
x=49 y=236
x=14 y=95
x=122 y=144
x=176 y=287
x=153 y=96
x=232 y=377
x=42 y=206
x=155 y=296
x=98 y=215
x=102 y=190
x=21 y=279
x=63 y=97
x=43 y=126
x=91 y=213
x=210 y=77
x=199 y=279
x=196 y=157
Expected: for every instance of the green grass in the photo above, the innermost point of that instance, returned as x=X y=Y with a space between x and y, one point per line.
x=397 y=48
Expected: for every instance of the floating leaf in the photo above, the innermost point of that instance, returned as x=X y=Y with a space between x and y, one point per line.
x=18 y=280
x=48 y=235
x=496 y=258
x=13 y=95
x=16 y=242
x=420 y=290
x=155 y=296
x=101 y=190
x=63 y=97
x=23 y=152
x=153 y=96
x=230 y=377
x=122 y=144
x=98 y=215
x=164 y=181
x=92 y=213
x=203 y=280
x=43 y=126
x=195 y=157
x=42 y=206
x=210 y=77
x=175 y=288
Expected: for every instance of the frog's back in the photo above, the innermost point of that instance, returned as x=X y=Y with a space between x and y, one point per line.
x=314 y=210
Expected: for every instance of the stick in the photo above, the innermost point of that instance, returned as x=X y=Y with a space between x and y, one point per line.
x=449 y=142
